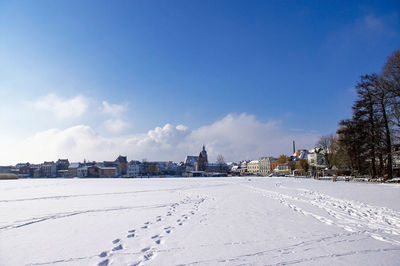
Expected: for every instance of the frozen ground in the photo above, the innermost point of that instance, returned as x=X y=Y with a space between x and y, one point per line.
x=210 y=221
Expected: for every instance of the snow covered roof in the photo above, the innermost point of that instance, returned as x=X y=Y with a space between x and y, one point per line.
x=191 y=159
x=108 y=168
x=254 y=162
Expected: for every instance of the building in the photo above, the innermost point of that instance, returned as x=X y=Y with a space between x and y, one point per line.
x=133 y=169
x=243 y=167
x=190 y=162
x=102 y=171
x=265 y=165
x=24 y=169
x=202 y=161
x=73 y=169
x=108 y=172
x=253 y=167
x=168 y=168
x=62 y=164
x=283 y=169
x=316 y=158
x=93 y=171
x=217 y=168
x=301 y=155
x=82 y=171
x=122 y=164
x=48 y=169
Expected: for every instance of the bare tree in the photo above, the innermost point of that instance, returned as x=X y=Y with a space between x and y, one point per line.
x=221 y=162
x=326 y=144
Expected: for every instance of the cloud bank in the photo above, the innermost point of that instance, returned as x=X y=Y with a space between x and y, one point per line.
x=62 y=108
x=236 y=137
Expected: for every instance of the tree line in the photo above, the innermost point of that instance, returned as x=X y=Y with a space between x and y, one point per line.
x=364 y=144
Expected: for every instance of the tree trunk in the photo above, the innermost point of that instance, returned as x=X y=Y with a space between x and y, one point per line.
x=388 y=140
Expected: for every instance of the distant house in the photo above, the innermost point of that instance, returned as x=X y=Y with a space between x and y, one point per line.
x=243 y=167
x=189 y=162
x=316 y=158
x=283 y=169
x=108 y=172
x=82 y=171
x=24 y=169
x=253 y=167
x=63 y=173
x=133 y=169
x=73 y=169
x=93 y=171
x=265 y=165
x=122 y=164
x=48 y=169
x=102 y=171
x=62 y=164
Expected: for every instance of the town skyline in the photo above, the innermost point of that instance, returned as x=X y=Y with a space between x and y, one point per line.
x=158 y=79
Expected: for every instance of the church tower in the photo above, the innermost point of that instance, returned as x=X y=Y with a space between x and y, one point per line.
x=203 y=160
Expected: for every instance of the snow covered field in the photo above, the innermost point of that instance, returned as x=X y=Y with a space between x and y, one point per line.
x=198 y=221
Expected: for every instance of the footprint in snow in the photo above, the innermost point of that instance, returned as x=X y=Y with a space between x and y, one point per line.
x=119 y=247
x=104 y=263
x=145 y=249
x=130 y=236
x=132 y=231
x=115 y=241
x=155 y=236
x=148 y=256
x=103 y=254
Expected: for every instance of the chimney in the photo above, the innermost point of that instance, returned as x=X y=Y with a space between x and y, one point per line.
x=294 y=147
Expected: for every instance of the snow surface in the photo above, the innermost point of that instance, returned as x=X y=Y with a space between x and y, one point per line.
x=198 y=221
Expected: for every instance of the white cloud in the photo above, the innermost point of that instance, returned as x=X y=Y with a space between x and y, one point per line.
x=113 y=109
x=236 y=137
x=115 y=125
x=61 y=107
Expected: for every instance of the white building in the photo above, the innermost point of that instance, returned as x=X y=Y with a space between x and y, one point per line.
x=316 y=158
x=133 y=169
x=265 y=165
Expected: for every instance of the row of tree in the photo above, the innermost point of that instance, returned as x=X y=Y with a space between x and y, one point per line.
x=364 y=144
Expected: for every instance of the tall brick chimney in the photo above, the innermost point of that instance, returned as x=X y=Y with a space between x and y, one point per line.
x=294 y=147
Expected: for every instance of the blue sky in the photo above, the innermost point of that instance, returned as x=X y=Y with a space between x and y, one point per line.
x=192 y=63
